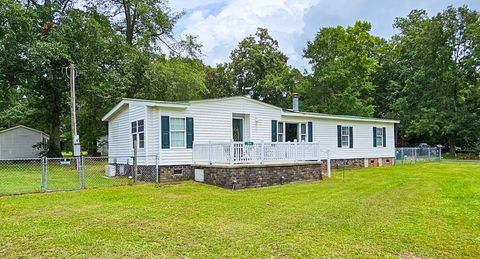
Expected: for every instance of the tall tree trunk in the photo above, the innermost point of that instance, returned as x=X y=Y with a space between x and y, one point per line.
x=451 y=144
x=54 y=142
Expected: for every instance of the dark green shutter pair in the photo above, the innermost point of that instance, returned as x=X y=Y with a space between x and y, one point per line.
x=339 y=136
x=275 y=125
x=165 y=123
x=384 y=136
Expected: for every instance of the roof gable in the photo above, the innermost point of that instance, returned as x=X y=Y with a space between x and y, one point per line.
x=24 y=127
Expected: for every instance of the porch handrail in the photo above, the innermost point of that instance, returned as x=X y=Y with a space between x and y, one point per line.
x=223 y=152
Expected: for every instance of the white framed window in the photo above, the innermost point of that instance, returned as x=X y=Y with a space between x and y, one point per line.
x=303 y=132
x=138 y=133
x=345 y=136
x=280 y=131
x=379 y=137
x=177 y=132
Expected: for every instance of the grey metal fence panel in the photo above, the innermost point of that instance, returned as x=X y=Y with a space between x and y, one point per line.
x=107 y=171
x=407 y=155
x=18 y=176
x=21 y=175
x=63 y=174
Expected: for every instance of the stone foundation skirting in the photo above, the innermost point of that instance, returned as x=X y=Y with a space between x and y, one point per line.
x=248 y=176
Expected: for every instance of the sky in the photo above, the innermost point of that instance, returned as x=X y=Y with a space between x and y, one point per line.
x=221 y=24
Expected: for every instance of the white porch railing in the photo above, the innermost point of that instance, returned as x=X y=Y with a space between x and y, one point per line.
x=240 y=152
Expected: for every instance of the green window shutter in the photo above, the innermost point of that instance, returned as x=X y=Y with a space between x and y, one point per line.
x=189 y=132
x=310 y=131
x=384 y=137
x=351 y=137
x=165 y=132
x=274 y=131
x=374 y=136
x=339 y=135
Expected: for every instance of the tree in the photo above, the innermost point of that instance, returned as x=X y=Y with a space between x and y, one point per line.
x=219 y=82
x=175 y=79
x=147 y=27
x=343 y=62
x=436 y=89
x=257 y=63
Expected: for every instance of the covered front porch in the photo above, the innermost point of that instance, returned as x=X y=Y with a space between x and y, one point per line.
x=249 y=152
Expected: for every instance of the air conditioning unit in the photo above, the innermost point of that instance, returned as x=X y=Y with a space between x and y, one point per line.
x=110 y=171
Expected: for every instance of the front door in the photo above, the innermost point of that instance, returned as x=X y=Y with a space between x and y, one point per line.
x=291 y=132
x=237 y=129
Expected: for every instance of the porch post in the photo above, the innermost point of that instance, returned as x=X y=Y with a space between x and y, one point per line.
x=210 y=152
x=296 y=149
x=231 y=152
x=262 y=152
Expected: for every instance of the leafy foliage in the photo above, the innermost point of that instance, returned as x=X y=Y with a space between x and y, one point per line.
x=427 y=75
x=343 y=62
x=260 y=69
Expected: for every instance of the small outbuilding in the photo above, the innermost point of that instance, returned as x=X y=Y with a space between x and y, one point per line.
x=19 y=141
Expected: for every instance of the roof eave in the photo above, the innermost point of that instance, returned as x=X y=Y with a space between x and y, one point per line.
x=333 y=117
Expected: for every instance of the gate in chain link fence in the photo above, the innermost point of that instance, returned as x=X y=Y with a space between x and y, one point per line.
x=18 y=176
x=407 y=155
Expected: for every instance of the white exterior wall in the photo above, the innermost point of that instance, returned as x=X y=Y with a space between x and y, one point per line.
x=213 y=122
x=119 y=137
x=18 y=142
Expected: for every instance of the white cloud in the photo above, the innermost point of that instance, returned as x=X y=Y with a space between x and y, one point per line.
x=220 y=32
x=221 y=24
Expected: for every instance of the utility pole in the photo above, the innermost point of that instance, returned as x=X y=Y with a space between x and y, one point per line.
x=73 y=112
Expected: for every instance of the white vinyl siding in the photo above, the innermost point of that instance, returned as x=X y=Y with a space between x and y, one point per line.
x=119 y=140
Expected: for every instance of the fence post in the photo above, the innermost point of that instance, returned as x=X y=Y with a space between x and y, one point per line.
x=156 y=168
x=415 y=155
x=429 y=154
x=193 y=153
x=135 y=169
x=329 y=168
x=439 y=153
x=210 y=152
x=82 y=171
x=231 y=152
x=43 y=175
x=262 y=152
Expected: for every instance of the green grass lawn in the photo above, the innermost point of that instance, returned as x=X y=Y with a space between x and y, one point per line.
x=422 y=210
x=18 y=178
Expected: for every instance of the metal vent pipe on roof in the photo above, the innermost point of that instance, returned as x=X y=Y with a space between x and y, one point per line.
x=295 y=102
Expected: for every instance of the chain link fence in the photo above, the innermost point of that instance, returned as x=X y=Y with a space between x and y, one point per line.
x=19 y=176
x=407 y=155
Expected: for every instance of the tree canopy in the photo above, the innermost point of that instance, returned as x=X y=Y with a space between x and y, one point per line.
x=427 y=75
